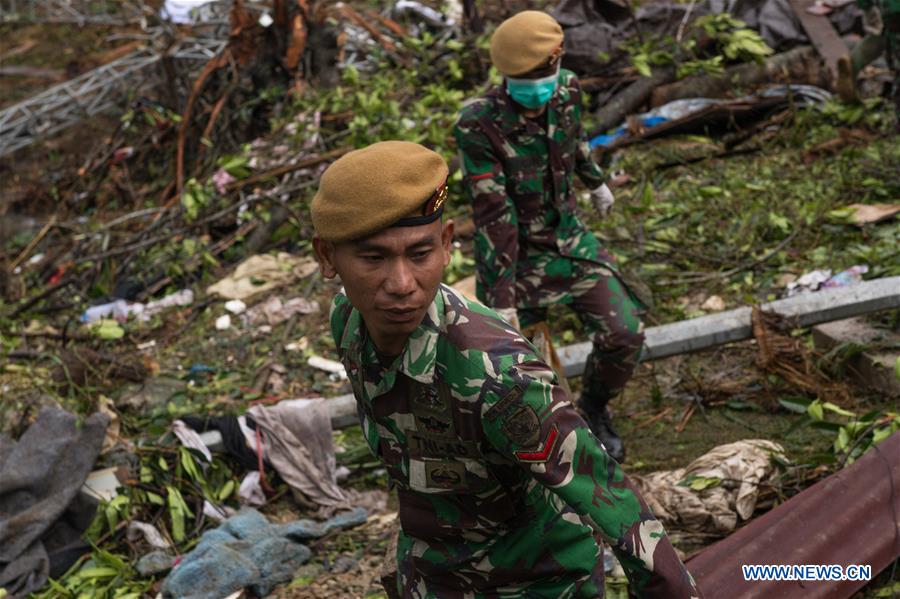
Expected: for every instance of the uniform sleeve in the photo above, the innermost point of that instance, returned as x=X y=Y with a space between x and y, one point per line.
x=588 y=170
x=496 y=227
x=532 y=422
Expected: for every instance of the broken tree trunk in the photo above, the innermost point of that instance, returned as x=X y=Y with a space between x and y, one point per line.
x=800 y=65
x=630 y=100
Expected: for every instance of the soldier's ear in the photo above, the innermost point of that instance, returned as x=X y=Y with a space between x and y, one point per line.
x=447 y=239
x=325 y=255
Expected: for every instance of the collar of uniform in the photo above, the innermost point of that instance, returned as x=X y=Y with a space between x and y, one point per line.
x=418 y=357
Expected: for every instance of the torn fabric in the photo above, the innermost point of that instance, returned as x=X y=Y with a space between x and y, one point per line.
x=42 y=515
x=733 y=472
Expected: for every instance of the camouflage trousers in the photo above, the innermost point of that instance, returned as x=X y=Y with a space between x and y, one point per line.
x=611 y=312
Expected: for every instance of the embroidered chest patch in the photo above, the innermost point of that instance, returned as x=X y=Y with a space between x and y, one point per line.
x=445 y=475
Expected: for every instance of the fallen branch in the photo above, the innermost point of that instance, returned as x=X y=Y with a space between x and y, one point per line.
x=800 y=65
x=214 y=64
x=33 y=243
x=287 y=168
x=630 y=100
x=699 y=277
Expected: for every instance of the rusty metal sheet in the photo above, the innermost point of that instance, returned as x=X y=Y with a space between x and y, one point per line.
x=851 y=517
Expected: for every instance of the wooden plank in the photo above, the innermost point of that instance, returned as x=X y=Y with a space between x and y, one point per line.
x=822 y=34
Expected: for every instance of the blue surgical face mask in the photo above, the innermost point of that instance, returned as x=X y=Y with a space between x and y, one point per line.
x=532 y=93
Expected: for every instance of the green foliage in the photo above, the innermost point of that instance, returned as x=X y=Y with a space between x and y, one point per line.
x=460 y=267
x=105 y=575
x=717 y=215
x=195 y=197
x=733 y=38
x=699 y=483
x=731 y=41
x=853 y=435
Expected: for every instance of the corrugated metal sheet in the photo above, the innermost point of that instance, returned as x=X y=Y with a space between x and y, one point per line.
x=851 y=517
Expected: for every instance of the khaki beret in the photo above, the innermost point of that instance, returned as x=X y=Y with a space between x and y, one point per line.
x=389 y=183
x=524 y=42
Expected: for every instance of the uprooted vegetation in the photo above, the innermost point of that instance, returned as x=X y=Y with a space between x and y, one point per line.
x=174 y=198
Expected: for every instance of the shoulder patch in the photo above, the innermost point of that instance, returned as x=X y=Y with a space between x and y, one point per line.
x=523 y=427
x=502 y=406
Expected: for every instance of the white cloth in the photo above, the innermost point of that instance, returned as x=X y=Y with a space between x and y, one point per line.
x=603 y=199
x=297 y=437
x=190 y=438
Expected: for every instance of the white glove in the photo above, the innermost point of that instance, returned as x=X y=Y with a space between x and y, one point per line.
x=603 y=199
x=510 y=315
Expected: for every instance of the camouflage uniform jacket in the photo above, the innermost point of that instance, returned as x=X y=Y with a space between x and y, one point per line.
x=502 y=487
x=519 y=173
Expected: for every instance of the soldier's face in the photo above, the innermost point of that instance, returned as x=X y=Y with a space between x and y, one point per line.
x=390 y=277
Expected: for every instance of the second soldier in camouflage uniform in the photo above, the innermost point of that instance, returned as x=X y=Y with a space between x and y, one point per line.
x=531 y=249
x=503 y=490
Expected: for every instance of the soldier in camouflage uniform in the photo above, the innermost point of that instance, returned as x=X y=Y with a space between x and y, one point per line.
x=890 y=36
x=503 y=489
x=531 y=249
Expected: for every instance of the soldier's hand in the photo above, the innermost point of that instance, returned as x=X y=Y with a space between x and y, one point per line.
x=511 y=316
x=603 y=199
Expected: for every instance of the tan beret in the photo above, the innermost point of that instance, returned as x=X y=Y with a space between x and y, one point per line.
x=524 y=42
x=390 y=183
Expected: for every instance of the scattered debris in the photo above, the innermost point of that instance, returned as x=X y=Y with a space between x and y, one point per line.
x=823 y=279
x=248 y=552
x=716 y=491
x=149 y=533
x=274 y=311
x=787 y=356
x=40 y=479
x=223 y=323
x=866 y=214
x=713 y=303
x=851 y=528
x=259 y=274
x=335 y=368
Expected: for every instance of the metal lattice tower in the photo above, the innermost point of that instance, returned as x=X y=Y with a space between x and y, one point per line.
x=96 y=91
x=105 y=87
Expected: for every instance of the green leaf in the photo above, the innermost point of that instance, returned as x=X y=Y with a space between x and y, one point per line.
x=641 y=64
x=177 y=512
x=815 y=410
x=880 y=434
x=107 y=329
x=226 y=490
x=798 y=405
x=838 y=410
x=699 y=483
x=187 y=462
x=842 y=441
x=97 y=572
